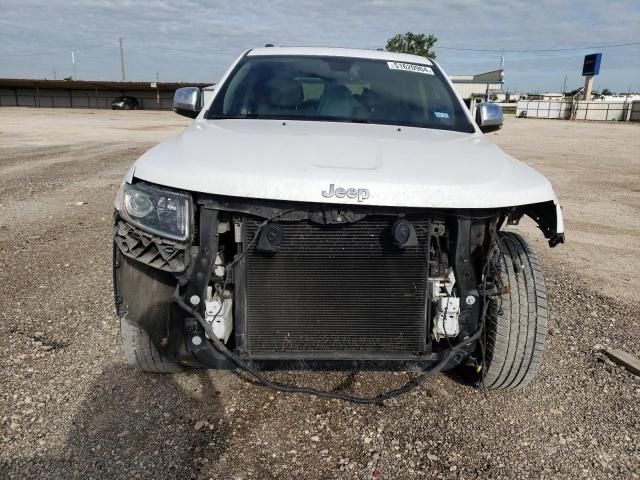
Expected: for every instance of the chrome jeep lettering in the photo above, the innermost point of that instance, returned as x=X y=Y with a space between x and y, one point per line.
x=339 y=192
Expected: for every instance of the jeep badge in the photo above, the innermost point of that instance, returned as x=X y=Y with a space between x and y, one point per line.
x=360 y=193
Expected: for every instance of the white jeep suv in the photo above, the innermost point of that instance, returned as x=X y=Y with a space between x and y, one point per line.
x=333 y=209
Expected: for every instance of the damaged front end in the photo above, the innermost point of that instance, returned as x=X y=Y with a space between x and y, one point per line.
x=548 y=217
x=281 y=285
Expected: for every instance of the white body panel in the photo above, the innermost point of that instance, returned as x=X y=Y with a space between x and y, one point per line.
x=297 y=160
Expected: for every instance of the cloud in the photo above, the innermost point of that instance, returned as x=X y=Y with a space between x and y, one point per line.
x=196 y=40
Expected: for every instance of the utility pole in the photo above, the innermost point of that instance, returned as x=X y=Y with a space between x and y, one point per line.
x=122 y=59
x=54 y=73
x=158 y=88
x=73 y=60
x=564 y=85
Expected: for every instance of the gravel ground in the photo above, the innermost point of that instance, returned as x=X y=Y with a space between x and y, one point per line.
x=71 y=408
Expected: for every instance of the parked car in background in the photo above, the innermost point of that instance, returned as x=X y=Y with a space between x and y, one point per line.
x=125 y=103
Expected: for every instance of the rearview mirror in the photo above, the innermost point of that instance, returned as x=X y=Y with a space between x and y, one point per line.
x=186 y=101
x=489 y=117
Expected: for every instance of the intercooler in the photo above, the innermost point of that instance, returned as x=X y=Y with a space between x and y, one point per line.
x=336 y=288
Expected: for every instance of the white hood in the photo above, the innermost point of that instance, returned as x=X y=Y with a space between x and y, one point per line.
x=298 y=160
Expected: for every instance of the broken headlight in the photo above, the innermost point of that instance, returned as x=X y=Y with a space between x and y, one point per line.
x=156 y=210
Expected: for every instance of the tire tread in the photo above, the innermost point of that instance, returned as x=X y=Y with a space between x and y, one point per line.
x=515 y=340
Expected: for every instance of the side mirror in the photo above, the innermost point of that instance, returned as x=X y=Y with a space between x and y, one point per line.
x=187 y=101
x=489 y=117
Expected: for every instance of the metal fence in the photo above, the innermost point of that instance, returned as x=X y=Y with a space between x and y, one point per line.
x=579 y=110
x=634 y=115
x=602 y=111
x=543 y=109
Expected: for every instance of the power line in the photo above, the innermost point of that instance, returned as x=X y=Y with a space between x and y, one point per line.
x=39 y=29
x=66 y=50
x=537 y=50
x=191 y=50
x=490 y=50
x=113 y=43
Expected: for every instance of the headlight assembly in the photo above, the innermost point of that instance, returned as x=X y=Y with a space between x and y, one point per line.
x=157 y=210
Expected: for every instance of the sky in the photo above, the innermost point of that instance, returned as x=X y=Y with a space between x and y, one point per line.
x=196 y=41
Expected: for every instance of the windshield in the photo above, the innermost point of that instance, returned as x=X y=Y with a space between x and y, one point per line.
x=340 y=89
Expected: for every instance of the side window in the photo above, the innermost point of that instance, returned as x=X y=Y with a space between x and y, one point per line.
x=356 y=89
x=312 y=89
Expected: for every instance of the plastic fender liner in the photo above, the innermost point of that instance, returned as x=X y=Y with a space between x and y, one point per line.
x=548 y=216
x=144 y=294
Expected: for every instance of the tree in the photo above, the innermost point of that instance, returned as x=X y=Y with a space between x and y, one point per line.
x=573 y=92
x=414 y=43
x=68 y=79
x=606 y=91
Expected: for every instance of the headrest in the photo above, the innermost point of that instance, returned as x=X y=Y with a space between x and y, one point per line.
x=285 y=93
x=336 y=101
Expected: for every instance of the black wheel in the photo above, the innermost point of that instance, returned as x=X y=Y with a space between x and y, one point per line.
x=141 y=352
x=516 y=324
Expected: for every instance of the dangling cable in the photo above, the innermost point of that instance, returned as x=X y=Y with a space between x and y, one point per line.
x=377 y=400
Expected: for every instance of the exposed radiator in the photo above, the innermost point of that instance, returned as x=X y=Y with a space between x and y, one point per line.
x=337 y=288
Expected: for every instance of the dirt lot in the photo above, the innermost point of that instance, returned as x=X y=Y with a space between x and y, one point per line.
x=71 y=408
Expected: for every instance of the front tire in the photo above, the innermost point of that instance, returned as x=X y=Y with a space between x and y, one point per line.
x=516 y=323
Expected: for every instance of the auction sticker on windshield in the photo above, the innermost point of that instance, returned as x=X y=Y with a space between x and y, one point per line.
x=410 y=67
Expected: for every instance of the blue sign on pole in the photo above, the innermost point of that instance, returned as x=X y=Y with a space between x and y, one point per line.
x=591 y=64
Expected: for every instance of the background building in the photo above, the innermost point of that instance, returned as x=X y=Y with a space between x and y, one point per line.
x=545 y=96
x=86 y=94
x=478 y=88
